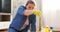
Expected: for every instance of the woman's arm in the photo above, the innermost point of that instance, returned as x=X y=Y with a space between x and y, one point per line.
x=28 y=12
x=22 y=11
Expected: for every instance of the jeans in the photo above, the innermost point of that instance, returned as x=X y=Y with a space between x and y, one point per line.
x=13 y=30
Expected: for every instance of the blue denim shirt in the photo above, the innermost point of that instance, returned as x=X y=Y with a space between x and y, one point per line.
x=20 y=18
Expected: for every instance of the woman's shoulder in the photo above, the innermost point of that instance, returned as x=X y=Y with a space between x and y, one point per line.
x=22 y=6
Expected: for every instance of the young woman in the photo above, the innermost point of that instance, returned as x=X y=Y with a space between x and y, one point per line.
x=23 y=13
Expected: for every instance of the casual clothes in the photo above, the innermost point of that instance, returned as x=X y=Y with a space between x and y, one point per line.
x=20 y=20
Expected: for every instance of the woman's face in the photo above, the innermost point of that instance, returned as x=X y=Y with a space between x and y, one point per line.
x=30 y=6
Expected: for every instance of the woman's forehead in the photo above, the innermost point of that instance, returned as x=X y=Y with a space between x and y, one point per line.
x=31 y=5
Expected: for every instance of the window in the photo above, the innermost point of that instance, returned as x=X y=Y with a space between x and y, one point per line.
x=5 y=10
x=5 y=6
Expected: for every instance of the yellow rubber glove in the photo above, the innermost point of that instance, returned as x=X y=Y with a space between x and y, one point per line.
x=38 y=13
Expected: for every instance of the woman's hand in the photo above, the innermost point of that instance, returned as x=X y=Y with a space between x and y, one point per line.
x=28 y=12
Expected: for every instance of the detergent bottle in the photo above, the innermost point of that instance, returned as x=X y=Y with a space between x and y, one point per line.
x=51 y=28
x=47 y=29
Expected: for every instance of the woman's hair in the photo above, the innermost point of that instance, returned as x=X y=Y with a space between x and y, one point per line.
x=30 y=2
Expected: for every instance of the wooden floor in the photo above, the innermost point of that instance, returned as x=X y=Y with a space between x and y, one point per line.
x=56 y=31
x=5 y=30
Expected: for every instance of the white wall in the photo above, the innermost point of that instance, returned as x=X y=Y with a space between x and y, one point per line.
x=51 y=13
